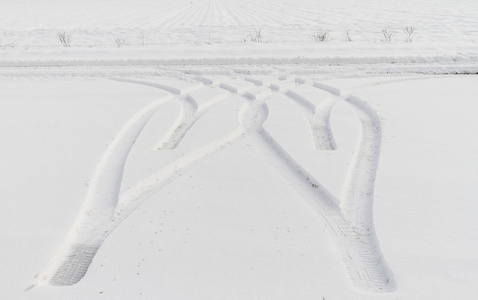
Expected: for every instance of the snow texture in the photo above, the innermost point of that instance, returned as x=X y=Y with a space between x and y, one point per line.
x=215 y=150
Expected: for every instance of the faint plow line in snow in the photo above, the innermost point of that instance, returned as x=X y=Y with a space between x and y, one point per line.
x=174 y=90
x=103 y=209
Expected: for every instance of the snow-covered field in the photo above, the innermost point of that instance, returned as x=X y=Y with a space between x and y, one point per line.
x=445 y=30
x=197 y=161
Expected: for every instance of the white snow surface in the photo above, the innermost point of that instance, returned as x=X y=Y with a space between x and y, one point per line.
x=446 y=30
x=201 y=161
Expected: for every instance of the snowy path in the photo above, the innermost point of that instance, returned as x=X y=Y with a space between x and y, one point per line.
x=337 y=67
x=348 y=217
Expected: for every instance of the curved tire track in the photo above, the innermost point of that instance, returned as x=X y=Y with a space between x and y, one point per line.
x=95 y=219
x=350 y=220
x=361 y=254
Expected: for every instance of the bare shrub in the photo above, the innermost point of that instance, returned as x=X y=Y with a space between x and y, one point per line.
x=65 y=39
x=6 y=46
x=387 y=33
x=142 y=37
x=348 y=35
x=120 y=42
x=409 y=31
x=256 y=37
x=321 y=36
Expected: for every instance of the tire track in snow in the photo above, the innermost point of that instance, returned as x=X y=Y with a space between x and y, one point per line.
x=356 y=200
x=189 y=113
x=104 y=209
x=357 y=196
x=318 y=117
x=359 y=249
x=134 y=196
x=361 y=255
x=360 y=252
x=349 y=220
x=95 y=219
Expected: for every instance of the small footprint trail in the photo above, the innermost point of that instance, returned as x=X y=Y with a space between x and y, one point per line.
x=348 y=217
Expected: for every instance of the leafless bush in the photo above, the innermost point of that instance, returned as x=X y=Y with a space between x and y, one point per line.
x=142 y=37
x=321 y=36
x=387 y=34
x=256 y=37
x=6 y=46
x=65 y=39
x=120 y=42
x=409 y=31
x=348 y=35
